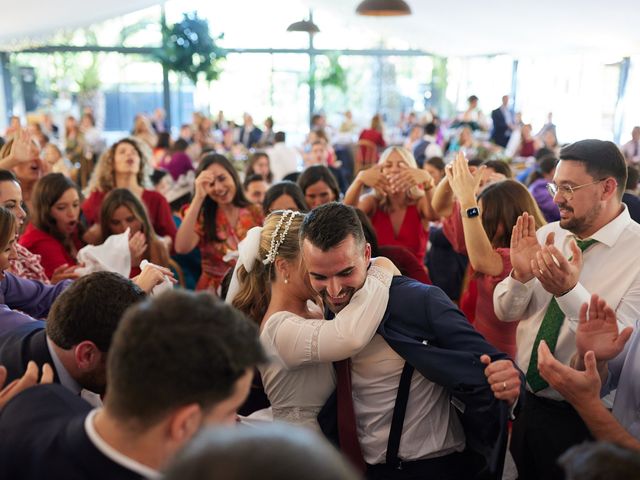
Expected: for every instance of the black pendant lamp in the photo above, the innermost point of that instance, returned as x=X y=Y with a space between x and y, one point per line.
x=383 y=8
x=306 y=26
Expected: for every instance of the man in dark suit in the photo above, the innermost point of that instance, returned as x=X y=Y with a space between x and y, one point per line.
x=412 y=428
x=502 y=123
x=250 y=135
x=77 y=335
x=178 y=362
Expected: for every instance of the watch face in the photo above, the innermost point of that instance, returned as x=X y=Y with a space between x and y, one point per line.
x=473 y=212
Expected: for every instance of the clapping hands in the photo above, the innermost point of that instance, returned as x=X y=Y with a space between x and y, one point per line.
x=464 y=183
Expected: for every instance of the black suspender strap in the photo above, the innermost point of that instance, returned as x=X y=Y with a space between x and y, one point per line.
x=397 y=422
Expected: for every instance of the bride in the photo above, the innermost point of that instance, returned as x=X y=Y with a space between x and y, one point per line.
x=271 y=286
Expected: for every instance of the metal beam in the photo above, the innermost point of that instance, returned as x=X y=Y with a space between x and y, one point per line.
x=305 y=51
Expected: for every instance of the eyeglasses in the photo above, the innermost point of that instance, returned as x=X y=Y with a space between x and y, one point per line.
x=567 y=191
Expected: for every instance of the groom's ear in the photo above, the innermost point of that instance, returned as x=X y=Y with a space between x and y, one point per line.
x=367 y=252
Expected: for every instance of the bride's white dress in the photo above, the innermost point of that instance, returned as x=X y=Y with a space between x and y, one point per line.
x=300 y=376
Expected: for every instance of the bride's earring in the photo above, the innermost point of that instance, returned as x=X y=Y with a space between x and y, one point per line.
x=286 y=280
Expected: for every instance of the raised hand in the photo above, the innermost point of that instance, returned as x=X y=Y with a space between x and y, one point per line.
x=503 y=377
x=464 y=183
x=374 y=178
x=409 y=178
x=598 y=331
x=524 y=247
x=23 y=149
x=557 y=274
x=137 y=247
x=203 y=184
x=578 y=388
x=153 y=275
x=29 y=379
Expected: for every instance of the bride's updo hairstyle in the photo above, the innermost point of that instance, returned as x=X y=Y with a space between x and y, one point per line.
x=279 y=239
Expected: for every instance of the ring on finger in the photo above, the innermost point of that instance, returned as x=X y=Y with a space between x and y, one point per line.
x=504 y=386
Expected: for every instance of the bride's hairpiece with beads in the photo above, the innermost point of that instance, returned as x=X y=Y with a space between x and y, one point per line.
x=279 y=234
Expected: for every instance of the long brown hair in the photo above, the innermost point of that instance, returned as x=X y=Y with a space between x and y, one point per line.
x=156 y=251
x=502 y=203
x=104 y=176
x=254 y=293
x=46 y=193
x=209 y=209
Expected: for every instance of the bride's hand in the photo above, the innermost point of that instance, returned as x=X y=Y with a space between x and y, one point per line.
x=386 y=264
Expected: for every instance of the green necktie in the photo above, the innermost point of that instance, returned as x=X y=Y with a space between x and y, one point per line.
x=549 y=332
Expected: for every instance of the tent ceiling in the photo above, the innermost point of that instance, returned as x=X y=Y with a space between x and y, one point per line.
x=464 y=27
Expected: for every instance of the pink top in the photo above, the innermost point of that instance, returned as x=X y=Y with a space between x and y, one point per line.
x=411 y=235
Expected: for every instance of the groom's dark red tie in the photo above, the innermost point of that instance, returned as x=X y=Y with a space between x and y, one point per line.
x=347 y=431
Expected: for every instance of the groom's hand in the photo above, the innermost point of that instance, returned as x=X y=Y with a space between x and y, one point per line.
x=504 y=379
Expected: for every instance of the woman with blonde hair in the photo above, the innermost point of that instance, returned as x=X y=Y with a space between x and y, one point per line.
x=126 y=165
x=271 y=285
x=120 y=210
x=399 y=204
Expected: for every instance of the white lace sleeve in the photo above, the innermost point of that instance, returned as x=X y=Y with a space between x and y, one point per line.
x=299 y=341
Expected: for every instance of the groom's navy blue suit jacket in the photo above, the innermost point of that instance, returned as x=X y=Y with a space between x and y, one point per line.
x=423 y=326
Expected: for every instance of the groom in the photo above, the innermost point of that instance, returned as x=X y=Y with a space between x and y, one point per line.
x=429 y=395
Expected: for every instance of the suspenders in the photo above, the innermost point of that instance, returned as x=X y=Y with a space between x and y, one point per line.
x=397 y=421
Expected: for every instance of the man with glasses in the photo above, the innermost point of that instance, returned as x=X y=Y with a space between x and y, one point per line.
x=594 y=248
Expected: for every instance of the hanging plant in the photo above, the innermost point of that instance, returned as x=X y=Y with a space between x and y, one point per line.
x=188 y=48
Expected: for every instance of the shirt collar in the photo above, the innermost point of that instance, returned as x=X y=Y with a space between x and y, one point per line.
x=64 y=376
x=610 y=233
x=112 y=454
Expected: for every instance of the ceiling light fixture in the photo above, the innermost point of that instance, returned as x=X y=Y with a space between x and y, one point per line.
x=383 y=8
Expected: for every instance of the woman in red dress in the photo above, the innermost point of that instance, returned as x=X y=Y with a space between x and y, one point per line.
x=400 y=204
x=55 y=232
x=125 y=165
x=374 y=134
x=217 y=220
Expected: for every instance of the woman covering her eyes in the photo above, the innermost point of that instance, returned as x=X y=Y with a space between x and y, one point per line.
x=55 y=232
x=217 y=220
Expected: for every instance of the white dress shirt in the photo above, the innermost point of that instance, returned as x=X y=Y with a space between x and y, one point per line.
x=611 y=268
x=631 y=151
x=431 y=426
x=433 y=149
x=114 y=455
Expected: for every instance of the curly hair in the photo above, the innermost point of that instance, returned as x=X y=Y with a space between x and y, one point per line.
x=104 y=175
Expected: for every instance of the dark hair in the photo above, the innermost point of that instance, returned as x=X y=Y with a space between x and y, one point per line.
x=436 y=162
x=253 y=160
x=46 y=193
x=8 y=176
x=277 y=451
x=164 y=140
x=178 y=348
x=502 y=203
x=254 y=177
x=279 y=137
x=430 y=128
x=90 y=309
x=543 y=152
x=601 y=159
x=330 y=224
x=180 y=145
x=315 y=174
x=499 y=167
x=209 y=208
x=279 y=189
x=599 y=461
x=369 y=232
x=472 y=98
x=157 y=175
x=632 y=178
x=544 y=167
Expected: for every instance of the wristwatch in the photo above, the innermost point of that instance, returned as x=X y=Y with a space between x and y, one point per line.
x=472 y=212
